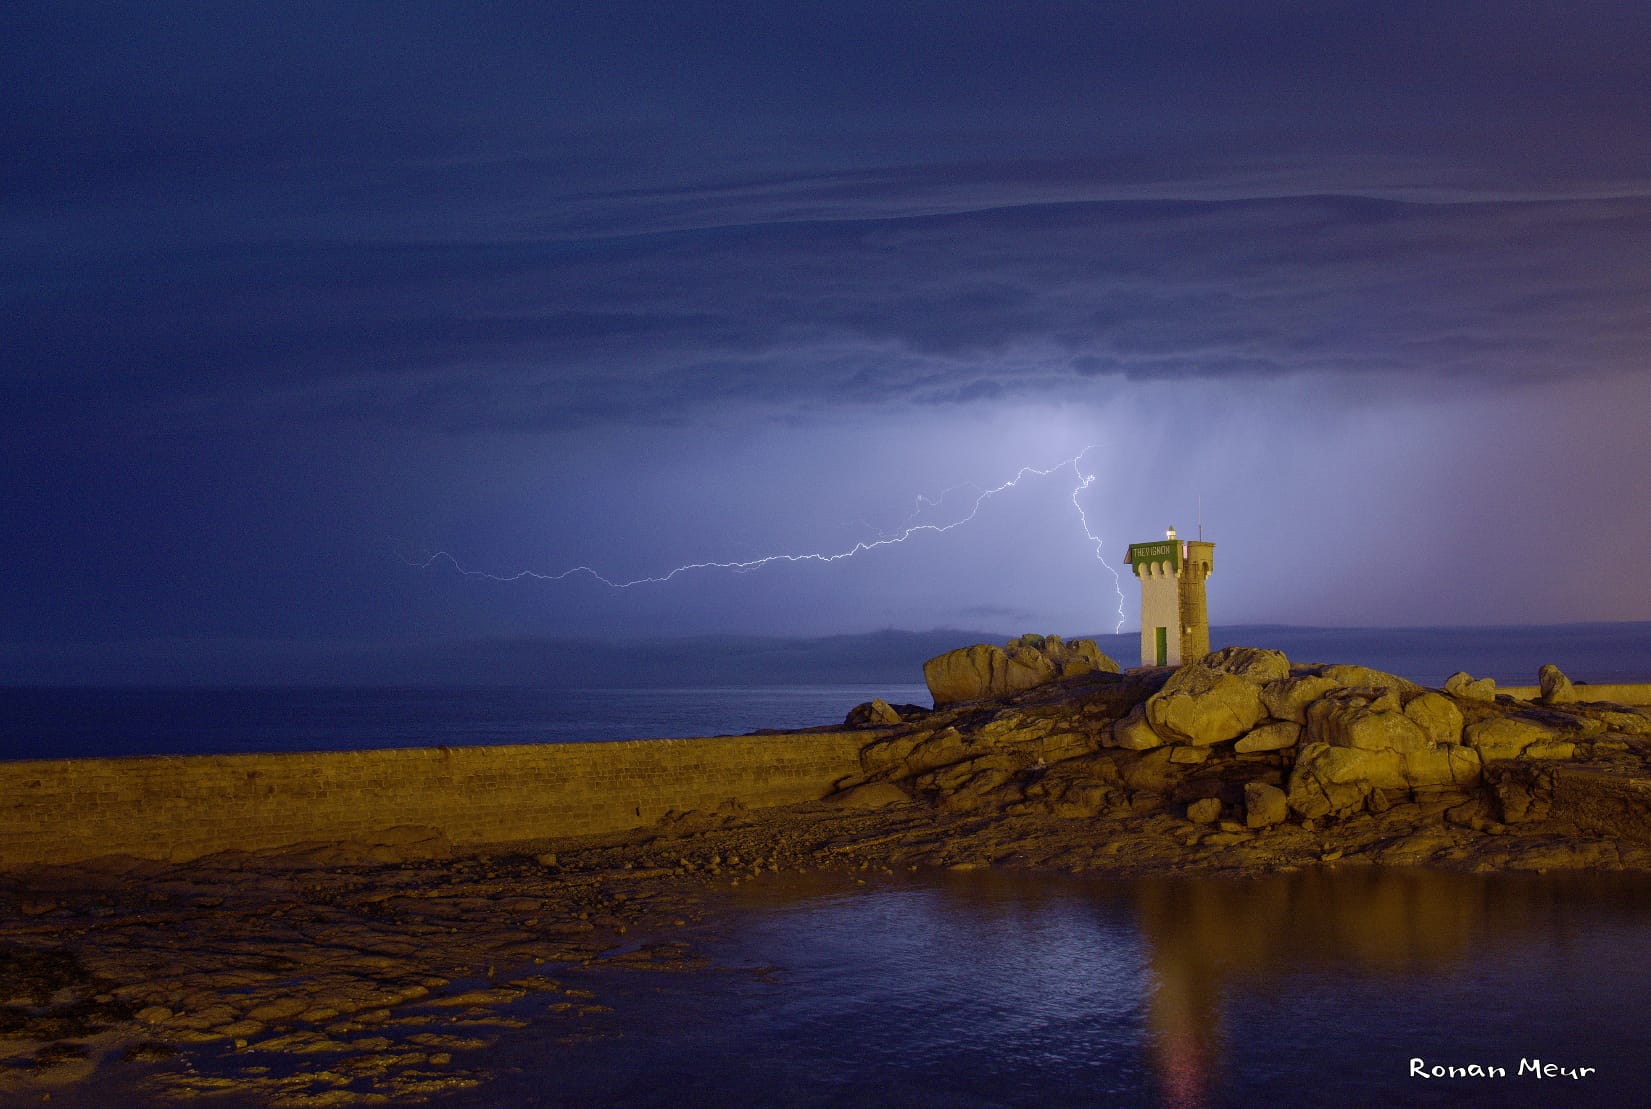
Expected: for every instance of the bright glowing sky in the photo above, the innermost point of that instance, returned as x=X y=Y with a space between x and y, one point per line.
x=289 y=288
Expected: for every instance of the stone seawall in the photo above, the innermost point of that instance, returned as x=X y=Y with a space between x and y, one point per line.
x=183 y=807
x=1621 y=693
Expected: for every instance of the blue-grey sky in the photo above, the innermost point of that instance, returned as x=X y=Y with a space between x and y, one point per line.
x=294 y=292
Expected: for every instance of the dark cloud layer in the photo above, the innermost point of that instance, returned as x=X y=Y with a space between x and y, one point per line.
x=1012 y=302
x=450 y=213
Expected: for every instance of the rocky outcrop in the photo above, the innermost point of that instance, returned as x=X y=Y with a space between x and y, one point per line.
x=1465 y=686
x=1201 y=706
x=984 y=671
x=1269 y=737
x=1330 y=780
x=1556 y=687
x=878 y=713
x=1133 y=733
x=1288 y=698
x=1364 y=718
x=1363 y=677
x=874 y=713
x=1242 y=735
x=1264 y=805
x=1257 y=698
x=1360 y=741
x=1437 y=716
x=1217 y=698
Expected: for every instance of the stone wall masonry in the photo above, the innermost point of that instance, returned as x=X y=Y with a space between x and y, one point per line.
x=182 y=807
x=1622 y=693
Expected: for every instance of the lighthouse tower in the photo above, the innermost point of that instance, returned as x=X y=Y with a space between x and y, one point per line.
x=1175 y=619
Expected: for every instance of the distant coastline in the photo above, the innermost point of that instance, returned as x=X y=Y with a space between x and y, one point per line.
x=1592 y=652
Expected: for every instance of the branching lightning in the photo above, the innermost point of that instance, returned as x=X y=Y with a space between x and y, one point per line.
x=910 y=528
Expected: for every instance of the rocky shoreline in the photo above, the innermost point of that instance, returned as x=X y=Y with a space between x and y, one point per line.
x=374 y=973
x=1245 y=738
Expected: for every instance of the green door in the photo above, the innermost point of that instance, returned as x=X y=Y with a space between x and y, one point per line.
x=1162 y=636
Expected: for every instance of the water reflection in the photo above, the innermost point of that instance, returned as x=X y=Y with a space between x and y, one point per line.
x=1208 y=940
x=1001 y=989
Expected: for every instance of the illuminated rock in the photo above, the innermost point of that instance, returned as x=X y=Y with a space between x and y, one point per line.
x=1437 y=716
x=1264 y=805
x=1506 y=737
x=1365 y=719
x=1448 y=765
x=1133 y=733
x=1288 y=698
x=1217 y=698
x=1556 y=687
x=873 y=714
x=1202 y=707
x=1363 y=677
x=985 y=671
x=1258 y=665
x=1464 y=685
x=1317 y=787
x=1269 y=737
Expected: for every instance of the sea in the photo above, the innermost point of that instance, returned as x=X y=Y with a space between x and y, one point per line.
x=40 y=722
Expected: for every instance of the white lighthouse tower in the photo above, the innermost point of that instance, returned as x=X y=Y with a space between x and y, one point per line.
x=1175 y=618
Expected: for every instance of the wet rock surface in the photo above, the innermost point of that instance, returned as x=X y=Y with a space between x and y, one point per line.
x=329 y=974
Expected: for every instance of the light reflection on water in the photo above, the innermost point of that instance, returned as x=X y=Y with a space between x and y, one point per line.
x=990 y=988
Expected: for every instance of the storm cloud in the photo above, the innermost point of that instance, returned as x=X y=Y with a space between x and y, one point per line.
x=289 y=286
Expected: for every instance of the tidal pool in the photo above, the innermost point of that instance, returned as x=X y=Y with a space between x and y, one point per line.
x=1003 y=989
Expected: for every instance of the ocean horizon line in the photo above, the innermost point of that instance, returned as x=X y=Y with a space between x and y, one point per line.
x=1597 y=650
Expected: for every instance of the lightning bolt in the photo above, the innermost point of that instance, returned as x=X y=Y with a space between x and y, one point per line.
x=910 y=528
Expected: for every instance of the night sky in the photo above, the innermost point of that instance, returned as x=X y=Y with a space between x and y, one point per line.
x=296 y=295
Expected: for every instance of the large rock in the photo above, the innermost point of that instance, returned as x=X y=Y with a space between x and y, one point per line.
x=1216 y=698
x=875 y=713
x=984 y=671
x=1468 y=688
x=1504 y=737
x=1073 y=658
x=1382 y=769
x=1325 y=784
x=1264 y=805
x=1437 y=716
x=1556 y=687
x=1360 y=741
x=1254 y=664
x=1363 y=677
x=1269 y=737
x=1288 y=698
x=1365 y=719
x=1201 y=705
x=1448 y=765
x=974 y=673
x=1330 y=780
x=1133 y=733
